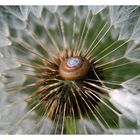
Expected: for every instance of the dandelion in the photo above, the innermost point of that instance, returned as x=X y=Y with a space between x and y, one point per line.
x=69 y=69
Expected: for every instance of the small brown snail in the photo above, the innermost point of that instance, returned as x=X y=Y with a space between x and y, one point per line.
x=74 y=68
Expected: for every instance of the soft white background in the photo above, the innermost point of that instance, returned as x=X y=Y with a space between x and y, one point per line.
x=69 y=2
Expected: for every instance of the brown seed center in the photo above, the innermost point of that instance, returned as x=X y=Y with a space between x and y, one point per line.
x=74 y=68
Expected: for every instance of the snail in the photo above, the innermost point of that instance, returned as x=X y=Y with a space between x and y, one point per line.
x=74 y=68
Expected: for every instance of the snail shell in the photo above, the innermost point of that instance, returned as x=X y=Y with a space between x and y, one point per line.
x=74 y=68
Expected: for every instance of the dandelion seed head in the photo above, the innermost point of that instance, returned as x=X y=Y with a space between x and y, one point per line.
x=66 y=69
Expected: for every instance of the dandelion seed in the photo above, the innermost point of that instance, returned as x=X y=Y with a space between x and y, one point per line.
x=66 y=70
